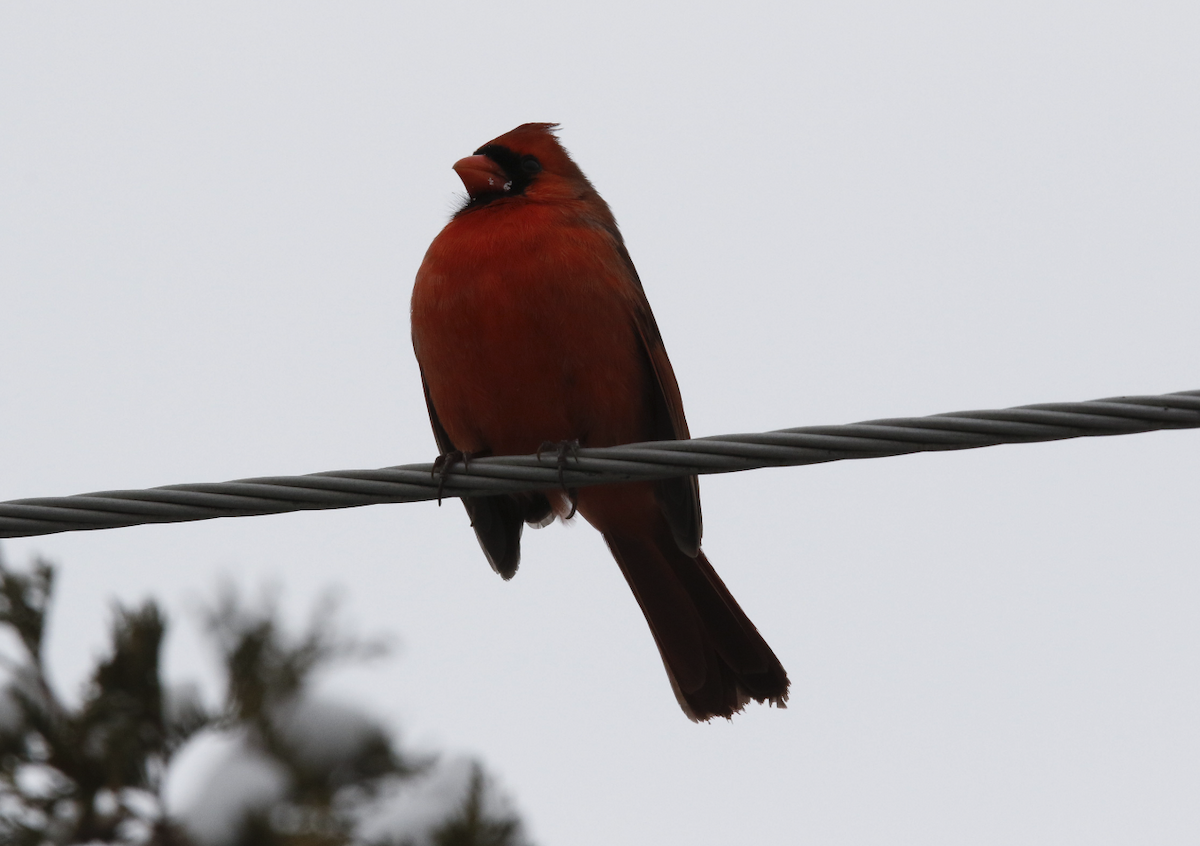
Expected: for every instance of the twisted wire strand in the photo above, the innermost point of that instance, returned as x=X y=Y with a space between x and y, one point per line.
x=645 y=461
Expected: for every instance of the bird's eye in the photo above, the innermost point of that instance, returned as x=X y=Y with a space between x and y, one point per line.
x=531 y=165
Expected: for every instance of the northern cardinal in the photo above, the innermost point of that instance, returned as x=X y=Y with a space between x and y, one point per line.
x=531 y=327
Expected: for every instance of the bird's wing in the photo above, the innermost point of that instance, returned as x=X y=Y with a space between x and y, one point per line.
x=497 y=520
x=444 y=443
x=678 y=497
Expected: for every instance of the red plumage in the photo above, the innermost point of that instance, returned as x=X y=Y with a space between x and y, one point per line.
x=530 y=326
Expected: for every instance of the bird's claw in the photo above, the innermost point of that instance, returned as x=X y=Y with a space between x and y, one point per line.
x=445 y=461
x=562 y=450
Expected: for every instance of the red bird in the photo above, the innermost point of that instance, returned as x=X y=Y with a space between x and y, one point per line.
x=530 y=326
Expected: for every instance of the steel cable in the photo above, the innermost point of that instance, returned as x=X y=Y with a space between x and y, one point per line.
x=654 y=460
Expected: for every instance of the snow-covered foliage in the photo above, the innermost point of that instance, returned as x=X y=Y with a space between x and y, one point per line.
x=140 y=764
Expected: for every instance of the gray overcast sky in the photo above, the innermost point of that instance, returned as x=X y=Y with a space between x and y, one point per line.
x=210 y=218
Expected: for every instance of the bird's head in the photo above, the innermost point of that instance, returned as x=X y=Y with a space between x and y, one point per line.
x=525 y=162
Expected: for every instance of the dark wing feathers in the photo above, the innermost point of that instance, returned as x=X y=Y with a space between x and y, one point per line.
x=678 y=497
x=497 y=520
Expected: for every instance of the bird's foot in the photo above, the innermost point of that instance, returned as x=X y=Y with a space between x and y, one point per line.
x=563 y=450
x=445 y=461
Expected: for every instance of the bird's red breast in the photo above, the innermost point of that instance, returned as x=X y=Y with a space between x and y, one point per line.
x=521 y=324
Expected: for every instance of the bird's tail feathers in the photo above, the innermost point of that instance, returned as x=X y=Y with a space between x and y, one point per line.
x=714 y=656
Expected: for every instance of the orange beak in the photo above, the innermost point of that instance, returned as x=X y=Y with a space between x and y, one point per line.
x=481 y=175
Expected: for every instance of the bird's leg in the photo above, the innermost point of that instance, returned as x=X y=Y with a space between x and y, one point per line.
x=445 y=461
x=563 y=449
